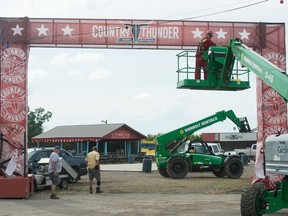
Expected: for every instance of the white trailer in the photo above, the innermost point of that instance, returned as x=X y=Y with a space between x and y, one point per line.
x=41 y=174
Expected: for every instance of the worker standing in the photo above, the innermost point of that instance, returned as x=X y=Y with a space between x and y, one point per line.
x=203 y=46
x=54 y=168
x=93 y=166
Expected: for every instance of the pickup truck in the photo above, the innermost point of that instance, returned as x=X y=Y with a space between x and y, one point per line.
x=216 y=148
x=78 y=163
x=251 y=152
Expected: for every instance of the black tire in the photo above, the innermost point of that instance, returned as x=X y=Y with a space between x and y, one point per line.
x=220 y=173
x=163 y=171
x=30 y=170
x=177 y=168
x=249 y=199
x=35 y=188
x=63 y=184
x=72 y=180
x=233 y=167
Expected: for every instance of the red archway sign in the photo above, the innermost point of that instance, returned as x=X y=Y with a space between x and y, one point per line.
x=19 y=34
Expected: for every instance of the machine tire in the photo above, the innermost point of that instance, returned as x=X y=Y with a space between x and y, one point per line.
x=221 y=173
x=177 y=168
x=35 y=185
x=63 y=184
x=163 y=172
x=248 y=200
x=72 y=180
x=233 y=167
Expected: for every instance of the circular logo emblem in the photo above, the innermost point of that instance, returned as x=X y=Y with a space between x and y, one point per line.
x=181 y=131
x=13 y=61
x=277 y=59
x=274 y=108
x=13 y=104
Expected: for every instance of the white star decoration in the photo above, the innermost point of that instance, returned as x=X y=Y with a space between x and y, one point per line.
x=197 y=33
x=221 y=34
x=67 y=30
x=42 y=30
x=17 y=30
x=244 y=34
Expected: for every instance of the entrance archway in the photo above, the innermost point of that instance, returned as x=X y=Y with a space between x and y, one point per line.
x=18 y=35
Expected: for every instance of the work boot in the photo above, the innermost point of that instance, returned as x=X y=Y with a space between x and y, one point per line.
x=54 y=196
x=91 y=191
x=98 y=190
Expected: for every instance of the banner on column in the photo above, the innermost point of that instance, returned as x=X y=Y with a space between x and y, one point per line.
x=13 y=123
x=271 y=111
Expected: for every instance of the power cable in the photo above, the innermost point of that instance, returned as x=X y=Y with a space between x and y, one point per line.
x=225 y=11
x=212 y=8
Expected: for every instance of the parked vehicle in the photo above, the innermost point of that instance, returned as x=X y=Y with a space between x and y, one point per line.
x=78 y=163
x=250 y=152
x=216 y=148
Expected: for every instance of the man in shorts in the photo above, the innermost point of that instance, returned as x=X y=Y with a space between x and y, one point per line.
x=55 y=167
x=93 y=166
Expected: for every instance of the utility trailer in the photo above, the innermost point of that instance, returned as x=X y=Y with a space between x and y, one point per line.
x=41 y=174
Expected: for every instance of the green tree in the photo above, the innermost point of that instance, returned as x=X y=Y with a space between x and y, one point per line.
x=151 y=137
x=36 y=119
x=196 y=136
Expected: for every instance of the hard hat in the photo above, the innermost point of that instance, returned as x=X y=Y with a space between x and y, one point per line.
x=209 y=33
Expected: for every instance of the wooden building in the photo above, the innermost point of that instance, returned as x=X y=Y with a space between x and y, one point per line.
x=111 y=139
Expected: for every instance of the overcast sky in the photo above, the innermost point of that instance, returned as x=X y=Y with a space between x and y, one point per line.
x=136 y=87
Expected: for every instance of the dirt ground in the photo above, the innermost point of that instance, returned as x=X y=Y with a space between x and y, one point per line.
x=138 y=193
x=139 y=182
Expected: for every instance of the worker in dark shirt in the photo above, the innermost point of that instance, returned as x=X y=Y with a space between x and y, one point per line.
x=203 y=45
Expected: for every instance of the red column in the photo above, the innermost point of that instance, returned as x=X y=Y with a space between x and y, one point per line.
x=13 y=116
x=271 y=111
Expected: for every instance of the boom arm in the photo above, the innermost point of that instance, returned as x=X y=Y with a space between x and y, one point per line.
x=265 y=70
x=187 y=130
